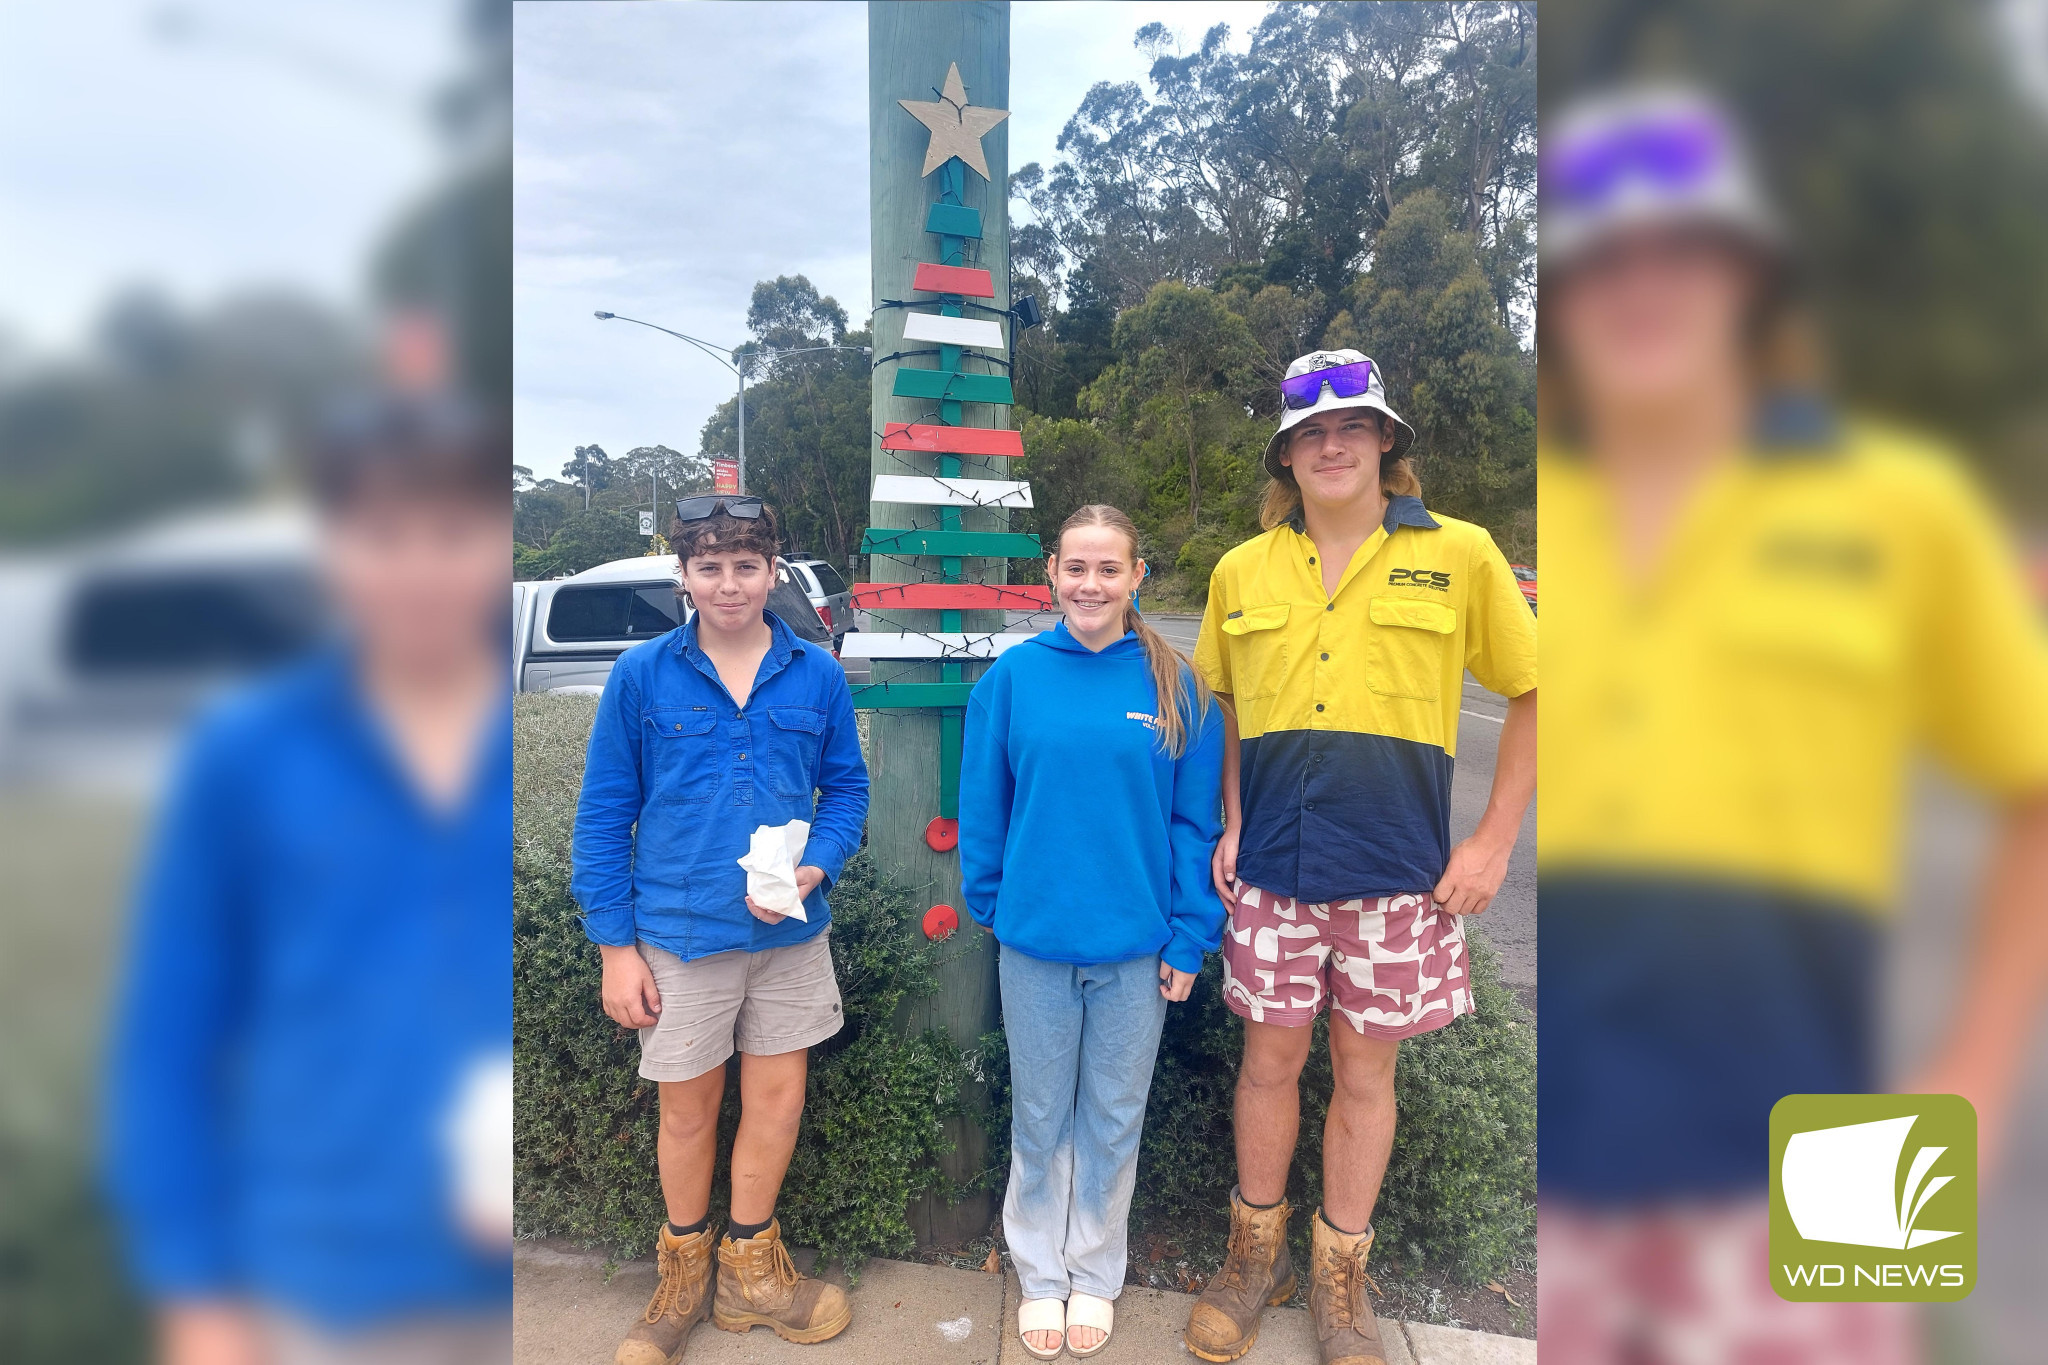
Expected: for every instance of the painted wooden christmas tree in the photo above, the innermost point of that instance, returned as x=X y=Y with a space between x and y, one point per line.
x=940 y=535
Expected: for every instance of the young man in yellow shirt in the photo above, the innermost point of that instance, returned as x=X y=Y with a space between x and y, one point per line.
x=1339 y=641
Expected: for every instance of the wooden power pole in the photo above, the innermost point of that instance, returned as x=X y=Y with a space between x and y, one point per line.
x=938 y=81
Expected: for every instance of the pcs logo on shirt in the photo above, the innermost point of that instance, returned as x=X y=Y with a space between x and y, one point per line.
x=1436 y=579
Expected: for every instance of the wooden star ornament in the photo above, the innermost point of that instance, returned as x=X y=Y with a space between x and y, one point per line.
x=956 y=126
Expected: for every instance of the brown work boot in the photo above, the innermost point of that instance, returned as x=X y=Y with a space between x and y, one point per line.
x=758 y=1286
x=1256 y=1273
x=679 y=1303
x=1346 y=1330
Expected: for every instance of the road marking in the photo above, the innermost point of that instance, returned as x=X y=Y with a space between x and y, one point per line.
x=1497 y=720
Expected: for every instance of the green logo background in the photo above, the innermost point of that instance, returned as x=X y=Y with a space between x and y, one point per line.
x=1806 y=1271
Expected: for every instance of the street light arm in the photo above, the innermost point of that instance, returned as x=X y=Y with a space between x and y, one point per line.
x=718 y=353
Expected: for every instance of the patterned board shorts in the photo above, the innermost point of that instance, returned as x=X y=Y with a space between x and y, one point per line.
x=1393 y=966
x=1683 y=1284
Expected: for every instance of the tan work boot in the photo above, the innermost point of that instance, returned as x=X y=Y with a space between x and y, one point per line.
x=1346 y=1330
x=1256 y=1274
x=679 y=1303
x=758 y=1287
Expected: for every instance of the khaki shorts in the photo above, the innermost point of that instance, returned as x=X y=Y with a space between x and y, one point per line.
x=450 y=1342
x=776 y=1000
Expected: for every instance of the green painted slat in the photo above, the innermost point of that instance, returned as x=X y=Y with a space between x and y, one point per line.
x=880 y=540
x=953 y=220
x=963 y=388
x=898 y=696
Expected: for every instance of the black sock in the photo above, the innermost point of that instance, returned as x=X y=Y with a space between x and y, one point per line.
x=1250 y=1205
x=741 y=1232
x=1346 y=1231
x=692 y=1230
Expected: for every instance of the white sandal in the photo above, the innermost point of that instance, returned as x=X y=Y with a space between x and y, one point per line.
x=1042 y=1315
x=1085 y=1310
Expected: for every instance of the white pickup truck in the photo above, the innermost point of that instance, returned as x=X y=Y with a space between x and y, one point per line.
x=567 y=632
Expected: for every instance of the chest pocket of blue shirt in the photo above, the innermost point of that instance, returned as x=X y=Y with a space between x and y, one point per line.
x=792 y=742
x=683 y=755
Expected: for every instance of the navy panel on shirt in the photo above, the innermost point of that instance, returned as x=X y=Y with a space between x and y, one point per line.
x=1676 y=1013
x=1335 y=815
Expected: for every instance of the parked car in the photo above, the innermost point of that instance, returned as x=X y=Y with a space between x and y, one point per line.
x=1525 y=579
x=567 y=632
x=828 y=592
x=118 y=642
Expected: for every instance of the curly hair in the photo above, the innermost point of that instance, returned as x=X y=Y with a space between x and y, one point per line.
x=720 y=533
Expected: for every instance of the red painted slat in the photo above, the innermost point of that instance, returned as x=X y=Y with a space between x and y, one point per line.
x=952 y=596
x=951 y=440
x=954 y=279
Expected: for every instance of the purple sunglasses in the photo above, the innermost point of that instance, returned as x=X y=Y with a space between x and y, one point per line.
x=1671 y=154
x=1346 y=381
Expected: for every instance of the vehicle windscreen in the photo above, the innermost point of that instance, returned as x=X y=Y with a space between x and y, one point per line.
x=613 y=611
x=193 y=622
x=829 y=581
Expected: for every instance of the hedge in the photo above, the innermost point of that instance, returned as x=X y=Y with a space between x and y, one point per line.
x=1459 y=1193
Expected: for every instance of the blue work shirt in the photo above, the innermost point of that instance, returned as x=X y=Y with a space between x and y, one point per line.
x=678 y=778
x=318 y=959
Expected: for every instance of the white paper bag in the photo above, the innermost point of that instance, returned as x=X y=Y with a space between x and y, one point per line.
x=771 y=863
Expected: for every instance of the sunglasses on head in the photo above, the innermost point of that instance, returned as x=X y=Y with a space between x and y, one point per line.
x=1673 y=154
x=711 y=504
x=1346 y=381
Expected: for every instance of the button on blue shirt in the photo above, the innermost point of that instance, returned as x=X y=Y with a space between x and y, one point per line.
x=678 y=778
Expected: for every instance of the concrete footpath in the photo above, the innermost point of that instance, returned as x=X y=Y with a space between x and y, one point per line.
x=565 y=1312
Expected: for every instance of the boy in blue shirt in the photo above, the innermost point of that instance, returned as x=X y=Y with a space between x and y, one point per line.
x=316 y=992
x=723 y=726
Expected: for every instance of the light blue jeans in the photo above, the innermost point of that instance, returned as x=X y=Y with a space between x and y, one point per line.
x=1082 y=1044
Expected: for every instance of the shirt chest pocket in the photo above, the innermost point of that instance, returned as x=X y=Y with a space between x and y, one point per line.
x=1406 y=650
x=1258 y=650
x=682 y=755
x=790 y=748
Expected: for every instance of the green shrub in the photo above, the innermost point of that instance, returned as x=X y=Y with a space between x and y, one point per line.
x=585 y=1123
x=1459 y=1191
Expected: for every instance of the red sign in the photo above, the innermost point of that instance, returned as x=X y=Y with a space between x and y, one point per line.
x=951 y=440
x=954 y=279
x=952 y=596
x=725 y=476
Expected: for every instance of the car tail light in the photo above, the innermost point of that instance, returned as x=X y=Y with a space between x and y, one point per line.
x=825 y=615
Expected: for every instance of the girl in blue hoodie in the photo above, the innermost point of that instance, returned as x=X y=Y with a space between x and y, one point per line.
x=1090 y=791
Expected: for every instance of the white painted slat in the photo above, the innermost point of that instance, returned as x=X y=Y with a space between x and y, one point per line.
x=873 y=644
x=983 y=332
x=926 y=491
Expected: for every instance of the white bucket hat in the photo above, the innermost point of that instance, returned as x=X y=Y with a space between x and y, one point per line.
x=1648 y=156
x=1373 y=395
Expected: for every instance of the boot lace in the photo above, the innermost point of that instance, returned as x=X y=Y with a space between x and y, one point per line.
x=668 y=1295
x=1237 y=1258
x=784 y=1268
x=1348 y=1278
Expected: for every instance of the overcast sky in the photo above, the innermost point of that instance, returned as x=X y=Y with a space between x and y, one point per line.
x=667 y=156
x=252 y=144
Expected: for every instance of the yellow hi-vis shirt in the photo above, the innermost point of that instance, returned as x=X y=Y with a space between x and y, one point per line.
x=1347 y=703
x=1745 y=713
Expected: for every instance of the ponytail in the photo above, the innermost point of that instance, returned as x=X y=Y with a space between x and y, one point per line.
x=1173 y=679
x=1183 y=696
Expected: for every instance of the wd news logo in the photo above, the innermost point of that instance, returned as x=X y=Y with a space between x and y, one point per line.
x=1873 y=1198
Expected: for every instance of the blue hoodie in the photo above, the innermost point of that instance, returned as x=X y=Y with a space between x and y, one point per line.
x=1080 y=841
x=317 y=958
